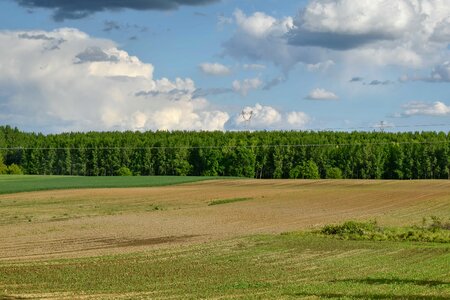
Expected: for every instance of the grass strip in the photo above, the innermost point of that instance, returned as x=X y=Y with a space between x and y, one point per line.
x=29 y=183
x=227 y=201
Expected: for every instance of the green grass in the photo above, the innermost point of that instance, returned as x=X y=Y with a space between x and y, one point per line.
x=25 y=183
x=285 y=266
x=226 y=201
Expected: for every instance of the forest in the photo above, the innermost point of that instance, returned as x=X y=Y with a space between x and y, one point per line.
x=262 y=154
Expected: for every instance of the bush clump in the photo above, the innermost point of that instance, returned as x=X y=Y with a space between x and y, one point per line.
x=14 y=170
x=124 y=171
x=437 y=231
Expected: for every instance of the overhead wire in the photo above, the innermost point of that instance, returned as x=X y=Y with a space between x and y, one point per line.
x=336 y=145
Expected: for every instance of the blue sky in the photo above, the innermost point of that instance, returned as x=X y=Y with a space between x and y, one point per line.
x=290 y=65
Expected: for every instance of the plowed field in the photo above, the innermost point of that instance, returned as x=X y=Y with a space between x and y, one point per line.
x=79 y=223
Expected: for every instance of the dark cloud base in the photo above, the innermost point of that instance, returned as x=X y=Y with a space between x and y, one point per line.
x=77 y=9
x=334 y=41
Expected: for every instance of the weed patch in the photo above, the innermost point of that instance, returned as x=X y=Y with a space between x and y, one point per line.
x=435 y=230
x=227 y=201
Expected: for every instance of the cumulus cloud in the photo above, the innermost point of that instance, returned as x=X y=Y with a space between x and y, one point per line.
x=266 y=117
x=215 y=69
x=440 y=73
x=69 y=9
x=245 y=86
x=425 y=109
x=441 y=33
x=260 y=37
x=407 y=33
x=90 y=84
x=346 y=24
x=320 y=66
x=298 y=119
x=321 y=94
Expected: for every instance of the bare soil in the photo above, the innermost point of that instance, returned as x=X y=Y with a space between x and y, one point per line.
x=76 y=223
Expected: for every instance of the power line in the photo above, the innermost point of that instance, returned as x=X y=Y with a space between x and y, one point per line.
x=336 y=145
x=377 y=126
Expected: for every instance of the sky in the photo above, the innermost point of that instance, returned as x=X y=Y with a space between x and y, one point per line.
x=108 y=65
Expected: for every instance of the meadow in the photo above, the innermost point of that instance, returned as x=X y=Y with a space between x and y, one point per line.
x=26 y=183
x=227 y=239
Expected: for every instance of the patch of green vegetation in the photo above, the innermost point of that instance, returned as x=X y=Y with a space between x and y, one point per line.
x=226 y=201
x=257 y=267
x=26 y=183
x=437 y=231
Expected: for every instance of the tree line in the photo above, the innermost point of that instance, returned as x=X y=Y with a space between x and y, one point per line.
x=262 y=154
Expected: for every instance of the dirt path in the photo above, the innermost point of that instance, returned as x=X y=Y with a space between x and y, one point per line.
x=108 y=221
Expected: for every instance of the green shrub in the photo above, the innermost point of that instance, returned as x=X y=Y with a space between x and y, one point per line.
x=334 y=173
x=3 y=168
x=14 y=170
x=438 y=232
x=350 y=227
x=124 y=171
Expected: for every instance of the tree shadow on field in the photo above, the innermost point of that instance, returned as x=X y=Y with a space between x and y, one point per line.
x=370 y=296
x=377 y=281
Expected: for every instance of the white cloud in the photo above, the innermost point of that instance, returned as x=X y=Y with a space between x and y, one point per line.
x=267 y=117
x=426 y=109
x=298 y=119
x=215 y=69
x=382 y=32
x=320 y=66
x=441 y=33
x=358 y=17
x=260 y=37
x=262 y=115
x=321 y=94
x=406 y=33
x=245 y=86
x=47 y=86
x=258 y=25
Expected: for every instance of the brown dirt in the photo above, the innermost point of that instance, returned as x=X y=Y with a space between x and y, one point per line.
x=274 y=207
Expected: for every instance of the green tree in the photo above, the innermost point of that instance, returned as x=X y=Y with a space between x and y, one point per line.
x=310 y=170
x=295 y=172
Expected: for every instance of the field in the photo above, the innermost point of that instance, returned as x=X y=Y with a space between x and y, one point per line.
x=226 y=239
x=13 y=184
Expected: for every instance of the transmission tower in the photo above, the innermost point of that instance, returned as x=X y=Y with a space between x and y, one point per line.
x=247 y=116
x=382 y=126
